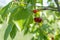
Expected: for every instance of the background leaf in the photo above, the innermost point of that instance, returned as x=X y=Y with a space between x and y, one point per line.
x=7 y=31
x=13 y=32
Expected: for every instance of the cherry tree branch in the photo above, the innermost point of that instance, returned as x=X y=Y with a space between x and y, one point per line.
x=56 y=1
x=47 y=8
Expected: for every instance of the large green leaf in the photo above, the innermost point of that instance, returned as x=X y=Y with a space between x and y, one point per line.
x=13 y=32
x=21 y=14
x=8 y=30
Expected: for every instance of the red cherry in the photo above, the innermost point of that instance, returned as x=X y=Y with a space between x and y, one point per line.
x=38 y=19
x=35 y=11
x=52 y=38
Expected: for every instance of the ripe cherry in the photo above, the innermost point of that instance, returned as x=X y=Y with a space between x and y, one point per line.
x=52 y=38
x=37 y=19
x=35 y=11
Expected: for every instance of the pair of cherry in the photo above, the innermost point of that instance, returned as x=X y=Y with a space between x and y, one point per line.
x=37 y=19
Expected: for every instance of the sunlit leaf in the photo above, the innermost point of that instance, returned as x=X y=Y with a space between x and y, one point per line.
x=21 y=14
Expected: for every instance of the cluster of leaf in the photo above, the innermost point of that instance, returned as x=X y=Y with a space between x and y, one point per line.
x=21 y=12
x=17 y=13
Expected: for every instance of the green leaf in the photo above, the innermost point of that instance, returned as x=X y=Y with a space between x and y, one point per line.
x=22 y=14
x=8 y=30
x=57 y=14
x=26 y=1
x=57 y=37
x=26 y=25
x=33 y=2
x=52 y=4
x=13 y=9
x=26 y=30
x=28 y=21
x=42 y=35
x=13 y=32
x=40 y=1
x=44 y=27
x=4 y=11
x=49 y=0
x=1 y=22
x=33 y=29
x=20 y=23
x=32 y=38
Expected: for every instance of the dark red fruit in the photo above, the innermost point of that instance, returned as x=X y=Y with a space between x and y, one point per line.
x=52 y=38
x=38 y=19
x=35 y=11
